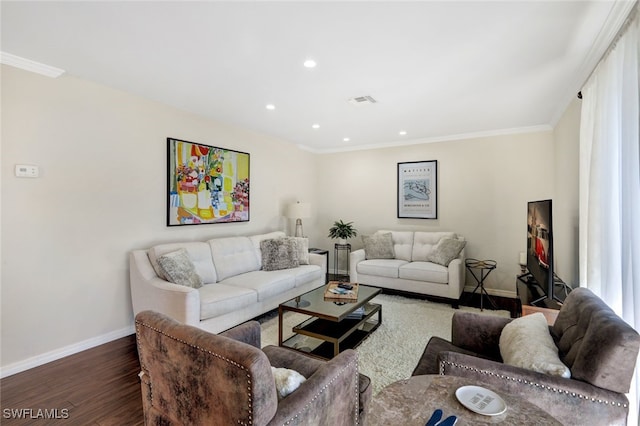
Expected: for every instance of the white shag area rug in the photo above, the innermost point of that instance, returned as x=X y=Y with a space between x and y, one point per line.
x=392 y=351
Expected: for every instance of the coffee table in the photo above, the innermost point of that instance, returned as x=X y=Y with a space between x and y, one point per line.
x=330 y=328
x=412 y=401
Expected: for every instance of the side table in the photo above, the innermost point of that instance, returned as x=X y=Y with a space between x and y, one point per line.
x=485 y=267
x=411 y=402
x=325 y=253
x=338 y=248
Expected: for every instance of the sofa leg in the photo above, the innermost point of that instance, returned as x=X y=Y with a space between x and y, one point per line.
x=455 y=305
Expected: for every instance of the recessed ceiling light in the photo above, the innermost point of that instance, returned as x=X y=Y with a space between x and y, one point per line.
x=270 y=106
x=310 y=63
x=315 y=126
x=402 y=132
x=346 y=139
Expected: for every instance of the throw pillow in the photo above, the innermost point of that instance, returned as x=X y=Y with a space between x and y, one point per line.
x=445 y=251
x=279 y=253
x=286 y=381
x=179 y=269
x=302 y=246
x=526 y=342
x=378 y=246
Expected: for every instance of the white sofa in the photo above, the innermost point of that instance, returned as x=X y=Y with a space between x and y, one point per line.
x=410 y=271
x=235 y=288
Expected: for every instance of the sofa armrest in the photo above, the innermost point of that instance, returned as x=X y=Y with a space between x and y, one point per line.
x=318 y=259
x=355 y=257
x=149 y=292
x=330 y=396
x=248 y=332
x=478 y=333
x=569 y=401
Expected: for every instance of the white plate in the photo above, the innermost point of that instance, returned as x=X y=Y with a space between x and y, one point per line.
x=481 y=400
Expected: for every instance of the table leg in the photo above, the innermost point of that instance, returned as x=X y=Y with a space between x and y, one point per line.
x=279 y=326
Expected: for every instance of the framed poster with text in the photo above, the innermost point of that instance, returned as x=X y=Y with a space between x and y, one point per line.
x=418 y=190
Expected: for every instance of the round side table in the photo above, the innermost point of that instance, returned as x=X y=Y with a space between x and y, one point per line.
x=411 y=402
x=485 y=267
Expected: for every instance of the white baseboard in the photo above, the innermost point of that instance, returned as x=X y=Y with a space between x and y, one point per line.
x=493 y=291
x=35 y=361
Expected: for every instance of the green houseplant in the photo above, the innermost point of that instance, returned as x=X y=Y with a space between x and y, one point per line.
x=342 y=231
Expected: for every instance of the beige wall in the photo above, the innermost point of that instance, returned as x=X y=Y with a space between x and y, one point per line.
x=483 y=189
x=566 y=135
x=100 y=194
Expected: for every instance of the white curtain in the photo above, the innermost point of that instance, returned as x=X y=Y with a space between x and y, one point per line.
x=610 y=183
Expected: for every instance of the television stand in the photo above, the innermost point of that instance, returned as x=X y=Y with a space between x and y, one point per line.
x=532 y=293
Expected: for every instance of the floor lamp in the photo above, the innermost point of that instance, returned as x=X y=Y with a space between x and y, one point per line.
x=297 y=211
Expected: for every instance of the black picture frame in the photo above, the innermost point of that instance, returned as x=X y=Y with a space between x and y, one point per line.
x=206 y=184
x=418 y=190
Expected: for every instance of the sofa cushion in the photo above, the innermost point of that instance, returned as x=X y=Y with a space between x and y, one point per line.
x=279 y=253
x=402 y=243
x=233 y=256
x=378 y=246
x=445 y=251
x=179 y=269
x=304 y=274
x=255 y=240
x=199 y=253
x=302 y=245
x=267 y=284
x=219 y=299
x=380 y=267
x=424 y=271
x=423 y=242
x=526 y=343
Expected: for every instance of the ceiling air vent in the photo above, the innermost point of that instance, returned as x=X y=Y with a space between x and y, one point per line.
x=362 y=100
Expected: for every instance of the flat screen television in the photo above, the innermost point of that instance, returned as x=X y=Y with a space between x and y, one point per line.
x=540 y=246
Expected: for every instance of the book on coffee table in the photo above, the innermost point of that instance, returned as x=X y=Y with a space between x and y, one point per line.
x=336 y=294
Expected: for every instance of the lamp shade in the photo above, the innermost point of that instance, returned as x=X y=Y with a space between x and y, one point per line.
x=299 y=210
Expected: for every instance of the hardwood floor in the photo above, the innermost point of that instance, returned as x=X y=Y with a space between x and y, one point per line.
x=99 y=386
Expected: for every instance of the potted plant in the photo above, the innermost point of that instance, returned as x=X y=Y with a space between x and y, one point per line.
x=342 y=231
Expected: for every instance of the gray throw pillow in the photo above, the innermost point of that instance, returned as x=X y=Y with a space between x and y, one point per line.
x=279 y=253
x=179 y=269
x=302 y=247
x=445 y=251
x=378 y=246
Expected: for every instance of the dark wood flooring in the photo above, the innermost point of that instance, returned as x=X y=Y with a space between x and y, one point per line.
x=99 y=386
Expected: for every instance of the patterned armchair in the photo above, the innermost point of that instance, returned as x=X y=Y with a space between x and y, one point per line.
x=192 y=377
x=599 y=348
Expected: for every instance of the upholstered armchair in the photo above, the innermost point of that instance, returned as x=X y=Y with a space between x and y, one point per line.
x=192 y=377
x=599 y=348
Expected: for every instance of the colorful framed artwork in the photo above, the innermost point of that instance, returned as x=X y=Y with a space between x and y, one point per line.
x=418 y=190
x=206 y=184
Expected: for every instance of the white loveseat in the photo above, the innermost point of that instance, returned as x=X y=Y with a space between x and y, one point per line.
x=235 y=288
x=410 y=271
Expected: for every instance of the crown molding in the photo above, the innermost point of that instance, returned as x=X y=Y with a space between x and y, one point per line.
x=29 y=65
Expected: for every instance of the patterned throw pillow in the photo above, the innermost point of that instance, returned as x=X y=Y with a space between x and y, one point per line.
x=302 y=246
x=378 y=246
x=445 y=251
x=179 y=269
x=279 y=253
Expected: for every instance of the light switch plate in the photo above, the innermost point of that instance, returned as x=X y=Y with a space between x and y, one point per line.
x=26 y=170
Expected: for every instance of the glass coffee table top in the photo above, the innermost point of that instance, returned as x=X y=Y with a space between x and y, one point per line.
x=313 y=303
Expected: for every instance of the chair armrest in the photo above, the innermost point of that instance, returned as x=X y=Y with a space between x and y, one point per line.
x=329 y=397
x=478 y=333
x=569 y=401
x=355 y=257
x=248 y=333
x=149 y=292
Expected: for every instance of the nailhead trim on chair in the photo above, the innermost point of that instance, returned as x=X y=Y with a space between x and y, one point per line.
x=527 y=382
x=249 y=408
x=346 y=367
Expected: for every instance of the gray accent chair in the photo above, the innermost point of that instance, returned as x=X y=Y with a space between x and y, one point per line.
x=192 y=377
x=600 y=349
